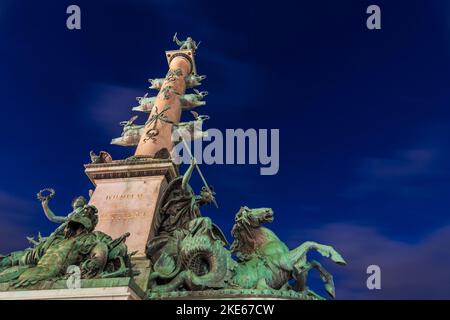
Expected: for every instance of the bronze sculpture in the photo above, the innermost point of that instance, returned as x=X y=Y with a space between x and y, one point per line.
x=188 y=253
x=188 y=44
x=73 y=243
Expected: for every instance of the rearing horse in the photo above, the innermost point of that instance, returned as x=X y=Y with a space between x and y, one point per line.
x=266 y=262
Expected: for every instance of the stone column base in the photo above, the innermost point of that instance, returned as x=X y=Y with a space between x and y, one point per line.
x=117 y=293
x=126 y=196
x=235 y=294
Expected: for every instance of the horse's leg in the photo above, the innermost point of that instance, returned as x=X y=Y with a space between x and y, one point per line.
x=300 y=274
x=326 y=277
x=324 y=250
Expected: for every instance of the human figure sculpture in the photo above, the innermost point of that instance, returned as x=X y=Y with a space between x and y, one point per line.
x=181 y=204
x=188 y=44
x=78 y=204
x=73 y=243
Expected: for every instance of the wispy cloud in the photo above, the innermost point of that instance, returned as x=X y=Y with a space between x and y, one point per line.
x=405 y=164
x=408 y=271
x=401 y=174
x=109 y=104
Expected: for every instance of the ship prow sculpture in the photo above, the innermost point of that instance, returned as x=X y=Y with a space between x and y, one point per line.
x=141 y=234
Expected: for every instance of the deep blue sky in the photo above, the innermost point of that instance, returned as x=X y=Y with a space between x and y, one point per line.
x=363 y=116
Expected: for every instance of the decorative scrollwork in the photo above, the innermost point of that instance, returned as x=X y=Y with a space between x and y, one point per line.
x=152 y=132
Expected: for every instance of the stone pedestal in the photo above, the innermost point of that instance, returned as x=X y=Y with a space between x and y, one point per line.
x=126 y=196
x=235 y=294
x=116 y=293
x=92 y=289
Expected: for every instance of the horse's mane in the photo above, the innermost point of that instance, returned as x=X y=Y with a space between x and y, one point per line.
x=246 y=237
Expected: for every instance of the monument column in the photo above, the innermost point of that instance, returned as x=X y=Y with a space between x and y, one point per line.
x=127 y=191
x=167 y=107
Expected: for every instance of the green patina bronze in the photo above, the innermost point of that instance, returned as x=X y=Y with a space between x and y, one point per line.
x=188 y=256
x=189 y=253
x=265 y=262
x=188 y=44
x=73 y=243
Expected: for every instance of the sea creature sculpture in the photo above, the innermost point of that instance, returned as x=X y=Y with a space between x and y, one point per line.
x=266 y=262
x=193 y=100
x=131 y=133
x=194 y=258
x=192 y=80
x=188 y=101
x=191 y=130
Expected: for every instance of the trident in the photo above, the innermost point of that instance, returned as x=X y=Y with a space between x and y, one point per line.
x=200 y=172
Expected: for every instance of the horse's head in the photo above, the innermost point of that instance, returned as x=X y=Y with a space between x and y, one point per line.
x=247 y=232
x=254 y=218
